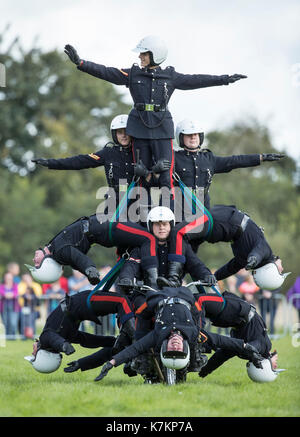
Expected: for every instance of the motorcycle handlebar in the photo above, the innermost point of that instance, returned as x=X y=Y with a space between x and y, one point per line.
x=205 y=284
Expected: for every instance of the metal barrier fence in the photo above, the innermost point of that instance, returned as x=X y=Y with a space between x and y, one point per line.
x=26 y=323
x=279 y=314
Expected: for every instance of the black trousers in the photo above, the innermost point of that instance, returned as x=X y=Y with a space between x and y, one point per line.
x=151 y=151
x=232 y=345
x=103 y=303
x=87 y=305
x=60 y=328
x=129 y=234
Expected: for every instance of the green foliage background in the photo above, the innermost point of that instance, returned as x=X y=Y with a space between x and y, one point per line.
x=49 y=109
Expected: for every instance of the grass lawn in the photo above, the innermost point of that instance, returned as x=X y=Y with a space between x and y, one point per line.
x=228 y=392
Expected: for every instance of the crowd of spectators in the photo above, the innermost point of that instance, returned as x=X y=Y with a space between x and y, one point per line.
x=22 y=300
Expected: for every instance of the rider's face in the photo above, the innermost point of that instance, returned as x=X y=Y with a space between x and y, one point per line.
x=279 y=265
x=161 y=230
x=175 y=343
x=35 y=348
x=38 y=257
x=122 y=137
x=191 y=141
x=274 y=361
x=145 y=59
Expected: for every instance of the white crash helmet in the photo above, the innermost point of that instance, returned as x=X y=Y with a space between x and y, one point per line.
x=45 y=361
x=266 y=374
x=160 y=214
x=186 y=127
x=175 y=359
x=156 y=46
x=119 y=122
x=49 y=271
x=268 y=277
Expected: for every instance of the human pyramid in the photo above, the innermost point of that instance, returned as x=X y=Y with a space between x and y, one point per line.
x=160 y=321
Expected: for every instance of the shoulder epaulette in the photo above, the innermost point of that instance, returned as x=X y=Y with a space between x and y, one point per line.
x=109 y=145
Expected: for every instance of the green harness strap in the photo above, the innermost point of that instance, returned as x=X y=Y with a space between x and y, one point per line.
x=193 y=201
x=120 y=207
x=107 y=281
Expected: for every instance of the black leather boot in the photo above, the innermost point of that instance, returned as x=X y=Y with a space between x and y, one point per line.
x=150 y=277
x=175 y=273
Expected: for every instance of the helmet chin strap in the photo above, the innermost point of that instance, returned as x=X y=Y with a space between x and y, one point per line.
x=162 y=241
x=192 y=149
x=152 y=63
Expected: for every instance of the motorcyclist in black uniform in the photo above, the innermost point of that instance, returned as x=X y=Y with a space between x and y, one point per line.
x=150 y=122
x=196 y=166
x=160 y=222
x=116 y=157
x=249 y=246
x=231 y=311
x=175 y=310
x=133 y=269
x=70 y=246
x=62 y=325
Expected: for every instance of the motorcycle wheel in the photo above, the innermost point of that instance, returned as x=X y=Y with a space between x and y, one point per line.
x=170 y=376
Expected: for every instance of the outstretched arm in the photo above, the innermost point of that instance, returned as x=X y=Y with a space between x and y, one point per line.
x=194 y=81
x=132 y=351
x=78 y=162
x=110 y=74
x=229 y=269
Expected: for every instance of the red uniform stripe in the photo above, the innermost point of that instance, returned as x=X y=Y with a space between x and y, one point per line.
x=121 y=300
x=199 y=221
x=140 y=232
x=141 y=308
x=209 y=299
x=171 y=172
x=133 y=152
x=197 y=306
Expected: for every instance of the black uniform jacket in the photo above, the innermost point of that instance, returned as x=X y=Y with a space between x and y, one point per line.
x=170 y=317
x=133 y=267
x=151 y=86
x=196 y=169
x=249 y=242
x=117 y=161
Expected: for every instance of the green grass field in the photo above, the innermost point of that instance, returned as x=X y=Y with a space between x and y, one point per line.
x=228 y=392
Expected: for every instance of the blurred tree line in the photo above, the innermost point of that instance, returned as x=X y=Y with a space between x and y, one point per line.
x=49 y=109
